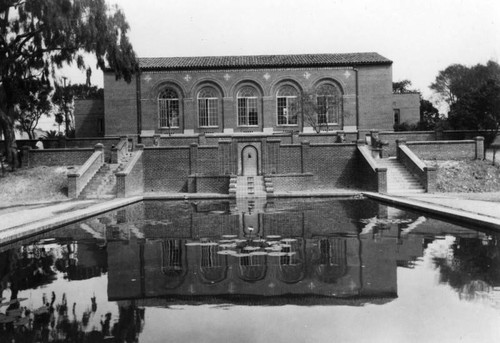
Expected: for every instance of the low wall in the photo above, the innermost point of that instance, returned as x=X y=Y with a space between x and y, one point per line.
x=79 y=179
x=208 y=184
x=292 y=182
x=414 y=136
x=55 y=157
x=130 y=181
x=449 y=150
x=370 y=177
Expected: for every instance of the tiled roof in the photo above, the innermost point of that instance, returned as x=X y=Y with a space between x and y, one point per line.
x=262 y=61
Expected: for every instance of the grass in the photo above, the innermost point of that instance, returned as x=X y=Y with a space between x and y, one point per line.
x=34 y=185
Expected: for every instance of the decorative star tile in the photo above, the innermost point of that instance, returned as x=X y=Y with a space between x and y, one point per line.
x=267 y=76
x=347 y=74
x=307 y=75
x=147 y=78
x=187 y=78
x=227 y=77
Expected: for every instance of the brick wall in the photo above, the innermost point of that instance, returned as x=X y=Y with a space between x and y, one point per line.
x=373 y=83
x=409 y=107
x=391 y=137
x=333 y=165
x=208 y=184
x=120 y=106
x=289 y=182
x=444 y=150
x=89 y=118
x=55 y=157
x=208 y=161
x=375 y=97
x=166 y=169
x=290 y=157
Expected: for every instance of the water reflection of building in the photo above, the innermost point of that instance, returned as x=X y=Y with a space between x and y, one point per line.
x=182 y=250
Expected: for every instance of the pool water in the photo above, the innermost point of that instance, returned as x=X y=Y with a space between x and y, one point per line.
x=288 y=270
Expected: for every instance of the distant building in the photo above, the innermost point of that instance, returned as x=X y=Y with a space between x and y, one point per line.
x=406 y=108
x=234 y=94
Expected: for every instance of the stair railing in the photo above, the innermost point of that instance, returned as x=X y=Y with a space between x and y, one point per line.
x=130 y=181
x=372 y=177
x=79 y=179
x=425 y=174
x=119 y=151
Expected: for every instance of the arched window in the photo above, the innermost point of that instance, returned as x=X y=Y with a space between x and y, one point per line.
x=208 y=107
x=329 y=102
x=248 y=113
x=168 y=108
x=286 y=100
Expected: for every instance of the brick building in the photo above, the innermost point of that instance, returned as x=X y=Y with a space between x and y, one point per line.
x=234 y=94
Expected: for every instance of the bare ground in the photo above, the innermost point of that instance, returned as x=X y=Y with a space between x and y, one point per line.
x=473 y=176
x=34 y=185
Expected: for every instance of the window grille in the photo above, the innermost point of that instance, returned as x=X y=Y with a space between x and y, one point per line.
x=168 y=108
x=248 y=114
x=286 y=101
x=329 y=104
x=208 y=107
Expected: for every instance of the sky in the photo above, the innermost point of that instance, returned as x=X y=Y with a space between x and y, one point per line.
x=420 y=37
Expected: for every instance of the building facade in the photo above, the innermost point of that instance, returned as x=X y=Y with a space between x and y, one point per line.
x=249 y=94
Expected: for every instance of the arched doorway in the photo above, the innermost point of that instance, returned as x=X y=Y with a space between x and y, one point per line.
x=249 y=160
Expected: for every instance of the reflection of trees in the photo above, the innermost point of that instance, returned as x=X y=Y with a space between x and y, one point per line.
x=59 y=322
x=28 y=267
x=473 y=267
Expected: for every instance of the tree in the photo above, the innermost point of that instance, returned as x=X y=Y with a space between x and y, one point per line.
x=318 y=107
x=31 y=108
x=63 y=99
x=456 y=81
x=429 y=116
x=39 y=36
x=402 y=87
x=473 y=95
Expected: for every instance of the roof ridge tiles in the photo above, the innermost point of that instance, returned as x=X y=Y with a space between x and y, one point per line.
x=261 y=61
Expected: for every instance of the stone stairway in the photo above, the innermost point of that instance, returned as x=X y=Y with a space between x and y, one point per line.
x=399 y=179
x=103 y=184
x=248 y=187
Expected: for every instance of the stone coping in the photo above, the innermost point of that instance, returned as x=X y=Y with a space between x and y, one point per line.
x=454 y=214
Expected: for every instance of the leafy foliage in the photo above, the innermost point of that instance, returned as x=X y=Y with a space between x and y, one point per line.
x=473 y=95
x=34 y=104
x=39 y=36
x=402 y=87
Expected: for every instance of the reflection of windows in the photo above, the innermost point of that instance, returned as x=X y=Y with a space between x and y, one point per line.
x=286 y=100
x=328 y=104
x=208 y=107
x=248 y=114
x=171 y=254
x=397 y=116
x=168 y=108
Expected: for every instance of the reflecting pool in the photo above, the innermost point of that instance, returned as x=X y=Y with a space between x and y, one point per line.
x=290 y=270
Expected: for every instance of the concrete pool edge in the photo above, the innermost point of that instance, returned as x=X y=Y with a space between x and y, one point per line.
x=34 y=227
x=446 y=212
